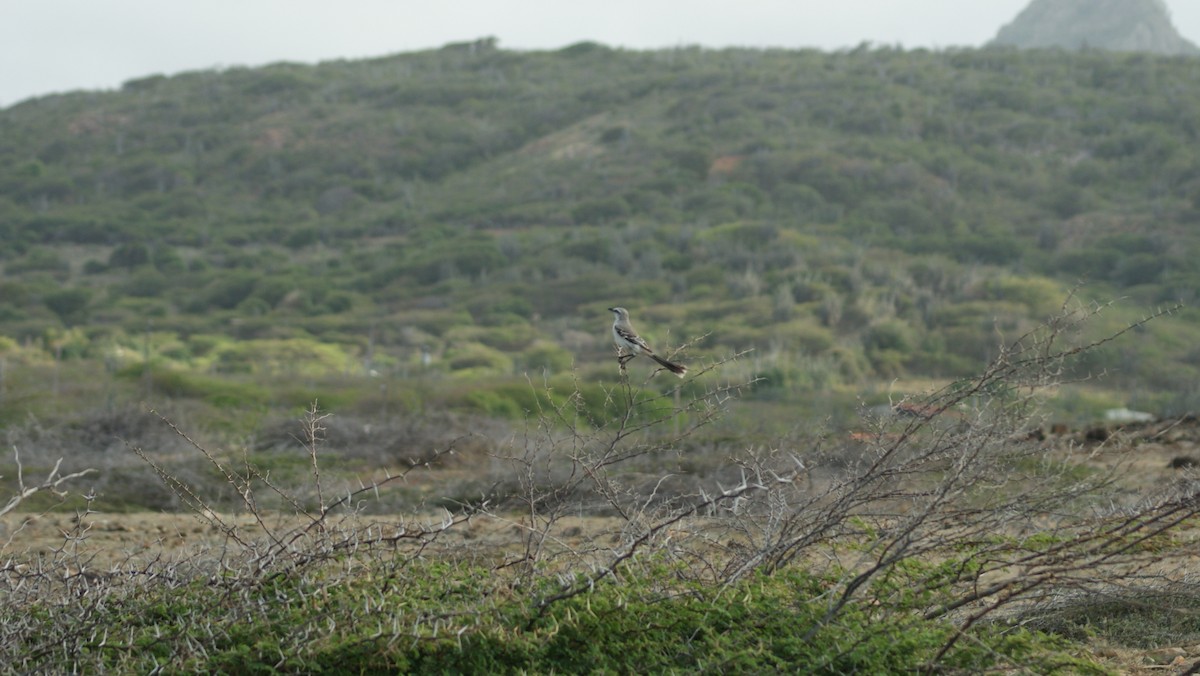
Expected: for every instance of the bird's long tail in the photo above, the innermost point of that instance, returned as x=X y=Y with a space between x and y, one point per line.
x=678 y=369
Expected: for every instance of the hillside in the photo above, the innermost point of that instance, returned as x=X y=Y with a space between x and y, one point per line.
x=466 y=214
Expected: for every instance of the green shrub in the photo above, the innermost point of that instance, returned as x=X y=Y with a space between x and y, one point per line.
x=500 y=404
x=295 y=356
x=70 y=305
x=39 y=259
x=648 y=622
x=544 y=356
x=230 y=290
x=129 y=256
x=146 y=283
x=1041 y=296
x=473 y=359
x=220 y=392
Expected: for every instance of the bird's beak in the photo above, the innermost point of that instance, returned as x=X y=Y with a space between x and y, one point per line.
x=611 y=310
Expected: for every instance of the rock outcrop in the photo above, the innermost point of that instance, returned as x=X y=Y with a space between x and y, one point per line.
x=1115 y=25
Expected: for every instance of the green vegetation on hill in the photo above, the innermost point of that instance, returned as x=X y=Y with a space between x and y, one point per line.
x=469 y=212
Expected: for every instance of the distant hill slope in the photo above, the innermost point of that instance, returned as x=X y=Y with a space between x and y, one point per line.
x=1115 y=25
x=859 y=214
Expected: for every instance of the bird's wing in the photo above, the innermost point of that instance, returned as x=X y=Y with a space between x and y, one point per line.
x=629 y=335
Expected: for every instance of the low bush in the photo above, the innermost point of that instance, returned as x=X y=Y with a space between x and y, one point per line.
x=439 y=617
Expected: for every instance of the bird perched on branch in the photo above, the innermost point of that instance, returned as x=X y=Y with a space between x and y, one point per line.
x=629 y=341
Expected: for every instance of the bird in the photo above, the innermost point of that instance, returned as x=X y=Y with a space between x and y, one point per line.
x=629 y=341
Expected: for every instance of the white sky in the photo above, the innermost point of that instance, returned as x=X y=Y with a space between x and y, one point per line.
x=60 y=45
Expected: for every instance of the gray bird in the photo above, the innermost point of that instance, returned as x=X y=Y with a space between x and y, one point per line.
x=629 y=341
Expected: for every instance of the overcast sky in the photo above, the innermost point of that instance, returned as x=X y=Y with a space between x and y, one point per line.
x=60 y=45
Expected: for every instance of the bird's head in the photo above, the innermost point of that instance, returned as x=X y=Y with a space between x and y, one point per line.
x=619 y=312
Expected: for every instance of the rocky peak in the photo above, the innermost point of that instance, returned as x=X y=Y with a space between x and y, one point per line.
x=1115 y=25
